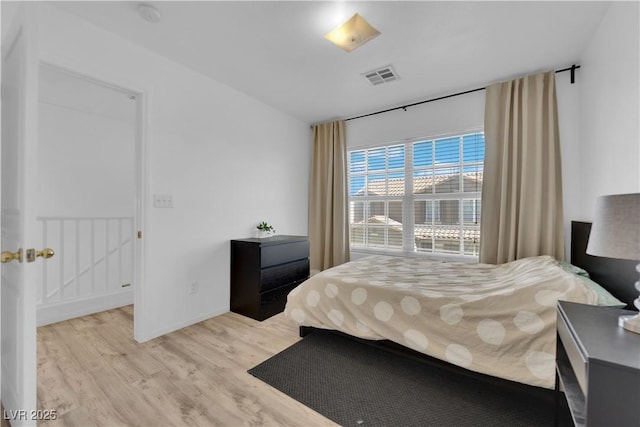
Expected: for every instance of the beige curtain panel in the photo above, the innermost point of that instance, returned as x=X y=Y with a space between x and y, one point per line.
x=328 y=210
x=522 y=188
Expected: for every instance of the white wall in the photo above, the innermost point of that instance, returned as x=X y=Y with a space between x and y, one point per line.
x=228 y=160
x=8 y=11
x=461 y=113
x=466 y=112
x=609 y=116
x=86 y=142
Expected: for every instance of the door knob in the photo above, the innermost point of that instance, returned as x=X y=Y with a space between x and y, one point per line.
x=46 y=253
x=7 y=256
x=32 y=254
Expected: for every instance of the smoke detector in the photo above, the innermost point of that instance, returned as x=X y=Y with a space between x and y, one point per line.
x=149 y=13
x=381 y=75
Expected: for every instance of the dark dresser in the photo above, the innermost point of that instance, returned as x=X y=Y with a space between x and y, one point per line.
x=264 y=271
x=598 y=366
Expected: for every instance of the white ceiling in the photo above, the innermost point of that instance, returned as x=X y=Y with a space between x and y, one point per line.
x=275 y=51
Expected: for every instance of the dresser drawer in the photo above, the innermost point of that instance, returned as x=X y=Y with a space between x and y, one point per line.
x=273 y=277
x=273 y=302
x=280 y=254
x=576 y=359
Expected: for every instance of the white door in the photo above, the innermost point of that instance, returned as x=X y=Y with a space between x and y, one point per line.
x=19 y=175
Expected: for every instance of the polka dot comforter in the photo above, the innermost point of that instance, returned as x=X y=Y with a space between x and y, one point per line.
x=499 y=320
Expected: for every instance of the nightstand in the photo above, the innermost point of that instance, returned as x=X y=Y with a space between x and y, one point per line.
x=598 y=366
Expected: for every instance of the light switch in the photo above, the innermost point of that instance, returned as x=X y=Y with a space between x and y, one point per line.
x=163 y=200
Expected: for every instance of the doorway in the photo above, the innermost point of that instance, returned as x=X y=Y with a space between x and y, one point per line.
x=88 y=144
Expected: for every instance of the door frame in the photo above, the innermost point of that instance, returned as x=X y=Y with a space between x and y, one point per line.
x=81 y=71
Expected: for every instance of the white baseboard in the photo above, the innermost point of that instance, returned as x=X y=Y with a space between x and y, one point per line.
x=179 y=325
x=57 y=312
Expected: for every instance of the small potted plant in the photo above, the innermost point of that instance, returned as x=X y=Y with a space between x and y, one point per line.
x=265 y=230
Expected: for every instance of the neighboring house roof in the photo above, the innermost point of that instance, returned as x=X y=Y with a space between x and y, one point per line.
x=449 y=183
x=382 y=219
x=441 y=233
x=437 y=232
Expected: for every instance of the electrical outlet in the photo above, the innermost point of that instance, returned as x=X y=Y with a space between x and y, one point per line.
x=163 y=200
x=193 y=287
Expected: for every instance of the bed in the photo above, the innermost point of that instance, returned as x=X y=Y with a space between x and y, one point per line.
x=497 y=321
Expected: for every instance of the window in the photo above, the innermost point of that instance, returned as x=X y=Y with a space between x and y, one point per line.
x=418 y=196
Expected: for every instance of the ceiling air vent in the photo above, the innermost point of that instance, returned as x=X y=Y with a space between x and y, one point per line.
x=381 y=75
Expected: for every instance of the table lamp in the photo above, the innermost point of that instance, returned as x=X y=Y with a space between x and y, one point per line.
x=615 y=233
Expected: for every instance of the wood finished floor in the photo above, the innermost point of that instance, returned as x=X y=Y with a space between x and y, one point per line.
x=93 y=373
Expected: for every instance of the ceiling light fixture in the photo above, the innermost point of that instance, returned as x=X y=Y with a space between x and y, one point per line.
x=352 y=34
x=149 y=13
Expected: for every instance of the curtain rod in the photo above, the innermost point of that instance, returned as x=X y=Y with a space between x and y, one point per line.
x=573 y=69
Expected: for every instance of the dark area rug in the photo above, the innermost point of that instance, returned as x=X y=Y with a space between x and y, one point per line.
x=356 y=384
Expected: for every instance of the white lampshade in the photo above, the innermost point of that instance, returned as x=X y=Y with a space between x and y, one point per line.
x=615 y=232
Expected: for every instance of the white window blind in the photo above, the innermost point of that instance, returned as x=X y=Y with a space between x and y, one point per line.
x=419 y=196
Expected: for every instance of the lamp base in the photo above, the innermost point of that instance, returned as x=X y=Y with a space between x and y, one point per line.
x=630 y=323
